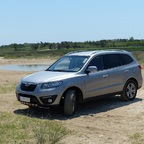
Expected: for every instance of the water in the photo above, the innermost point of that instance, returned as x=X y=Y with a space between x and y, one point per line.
x=24 y=67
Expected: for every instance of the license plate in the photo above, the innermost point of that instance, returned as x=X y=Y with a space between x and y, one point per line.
x=24 y=99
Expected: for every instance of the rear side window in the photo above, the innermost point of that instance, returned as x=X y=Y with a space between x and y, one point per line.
x=112 y=60
x=126 y=58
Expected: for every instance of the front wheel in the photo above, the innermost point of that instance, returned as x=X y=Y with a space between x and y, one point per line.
x=70 y=102
x=129 y=91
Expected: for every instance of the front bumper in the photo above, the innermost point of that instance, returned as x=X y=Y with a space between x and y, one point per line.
x=39 y=97
x=34 y=101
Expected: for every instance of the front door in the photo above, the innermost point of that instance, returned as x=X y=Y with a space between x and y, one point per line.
x=96 y=83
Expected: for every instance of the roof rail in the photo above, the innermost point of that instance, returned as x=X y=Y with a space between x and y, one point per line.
x=115 y=50
x=95 y=51
x=74 y=52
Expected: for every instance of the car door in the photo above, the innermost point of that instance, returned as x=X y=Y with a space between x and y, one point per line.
x=96 y=83
x=118 y=72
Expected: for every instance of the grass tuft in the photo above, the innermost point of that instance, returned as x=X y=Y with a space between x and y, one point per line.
x=137 y=138
x=23 y=129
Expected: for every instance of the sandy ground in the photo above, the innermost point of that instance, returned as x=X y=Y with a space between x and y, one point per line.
x=103 y=121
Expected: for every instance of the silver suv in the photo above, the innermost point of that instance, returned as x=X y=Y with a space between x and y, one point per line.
x=82 y=75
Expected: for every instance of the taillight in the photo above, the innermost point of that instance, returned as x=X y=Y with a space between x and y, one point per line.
x=140 y=66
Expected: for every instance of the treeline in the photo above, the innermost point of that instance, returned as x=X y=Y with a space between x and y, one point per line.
x=87 y=44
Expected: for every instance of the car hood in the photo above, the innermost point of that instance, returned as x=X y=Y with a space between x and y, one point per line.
x=47 y=76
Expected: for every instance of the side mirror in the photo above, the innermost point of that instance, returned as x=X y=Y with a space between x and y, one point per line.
x=91 y=69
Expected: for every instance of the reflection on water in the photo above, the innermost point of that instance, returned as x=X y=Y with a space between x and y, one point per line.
x=24 y=67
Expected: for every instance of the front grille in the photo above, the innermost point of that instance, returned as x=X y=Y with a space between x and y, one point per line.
x=25 y=87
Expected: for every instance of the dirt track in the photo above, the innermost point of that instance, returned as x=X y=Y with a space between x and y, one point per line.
x=104 y=121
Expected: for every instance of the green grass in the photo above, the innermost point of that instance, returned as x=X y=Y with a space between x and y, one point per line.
x=21 y=129
x=137 y=138
x=138 y=52
x=6 y=88
x=18 y=129
x=44 y=53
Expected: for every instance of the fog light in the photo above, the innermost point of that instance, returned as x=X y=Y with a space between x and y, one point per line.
x=49 y=100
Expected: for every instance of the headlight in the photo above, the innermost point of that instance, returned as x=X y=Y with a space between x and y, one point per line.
x=51 y=85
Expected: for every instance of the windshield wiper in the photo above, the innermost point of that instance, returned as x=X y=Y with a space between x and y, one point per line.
x=56 y=70
x=61 y=70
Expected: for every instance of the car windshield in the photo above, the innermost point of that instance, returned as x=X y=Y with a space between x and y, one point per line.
x=68 y=64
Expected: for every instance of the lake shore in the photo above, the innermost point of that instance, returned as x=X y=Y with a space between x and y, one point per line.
x=24 y=61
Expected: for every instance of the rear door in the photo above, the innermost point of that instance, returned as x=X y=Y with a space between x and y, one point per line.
x=118 y=71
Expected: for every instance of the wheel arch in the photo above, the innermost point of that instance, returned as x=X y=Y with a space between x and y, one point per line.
x=129 y=94
x=133 y=79
x=79 y=94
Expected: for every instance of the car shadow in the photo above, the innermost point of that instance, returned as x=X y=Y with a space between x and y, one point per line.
x=92 y=107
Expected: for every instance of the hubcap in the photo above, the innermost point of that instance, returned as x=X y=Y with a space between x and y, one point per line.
x=131 y=90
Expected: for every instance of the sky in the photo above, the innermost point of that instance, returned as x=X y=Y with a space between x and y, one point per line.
x=33 y=21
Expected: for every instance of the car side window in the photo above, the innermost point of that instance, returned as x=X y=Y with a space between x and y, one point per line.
x=97 y=61
x=126 y=58
x=112 y=60
x=106 y=62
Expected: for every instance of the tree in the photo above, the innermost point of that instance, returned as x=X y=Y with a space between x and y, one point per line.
x=34 y=46
x=15 y=46
x=103 y=43
x=131 y=39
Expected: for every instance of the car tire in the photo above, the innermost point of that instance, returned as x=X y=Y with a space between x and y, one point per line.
x=129 y=91
x=70 y=103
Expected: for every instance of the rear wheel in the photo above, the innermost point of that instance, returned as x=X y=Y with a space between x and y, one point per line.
x=70 y=102
x=129 y=91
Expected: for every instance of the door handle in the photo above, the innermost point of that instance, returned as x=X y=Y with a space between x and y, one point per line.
x=126 y=71
x=105 y=76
